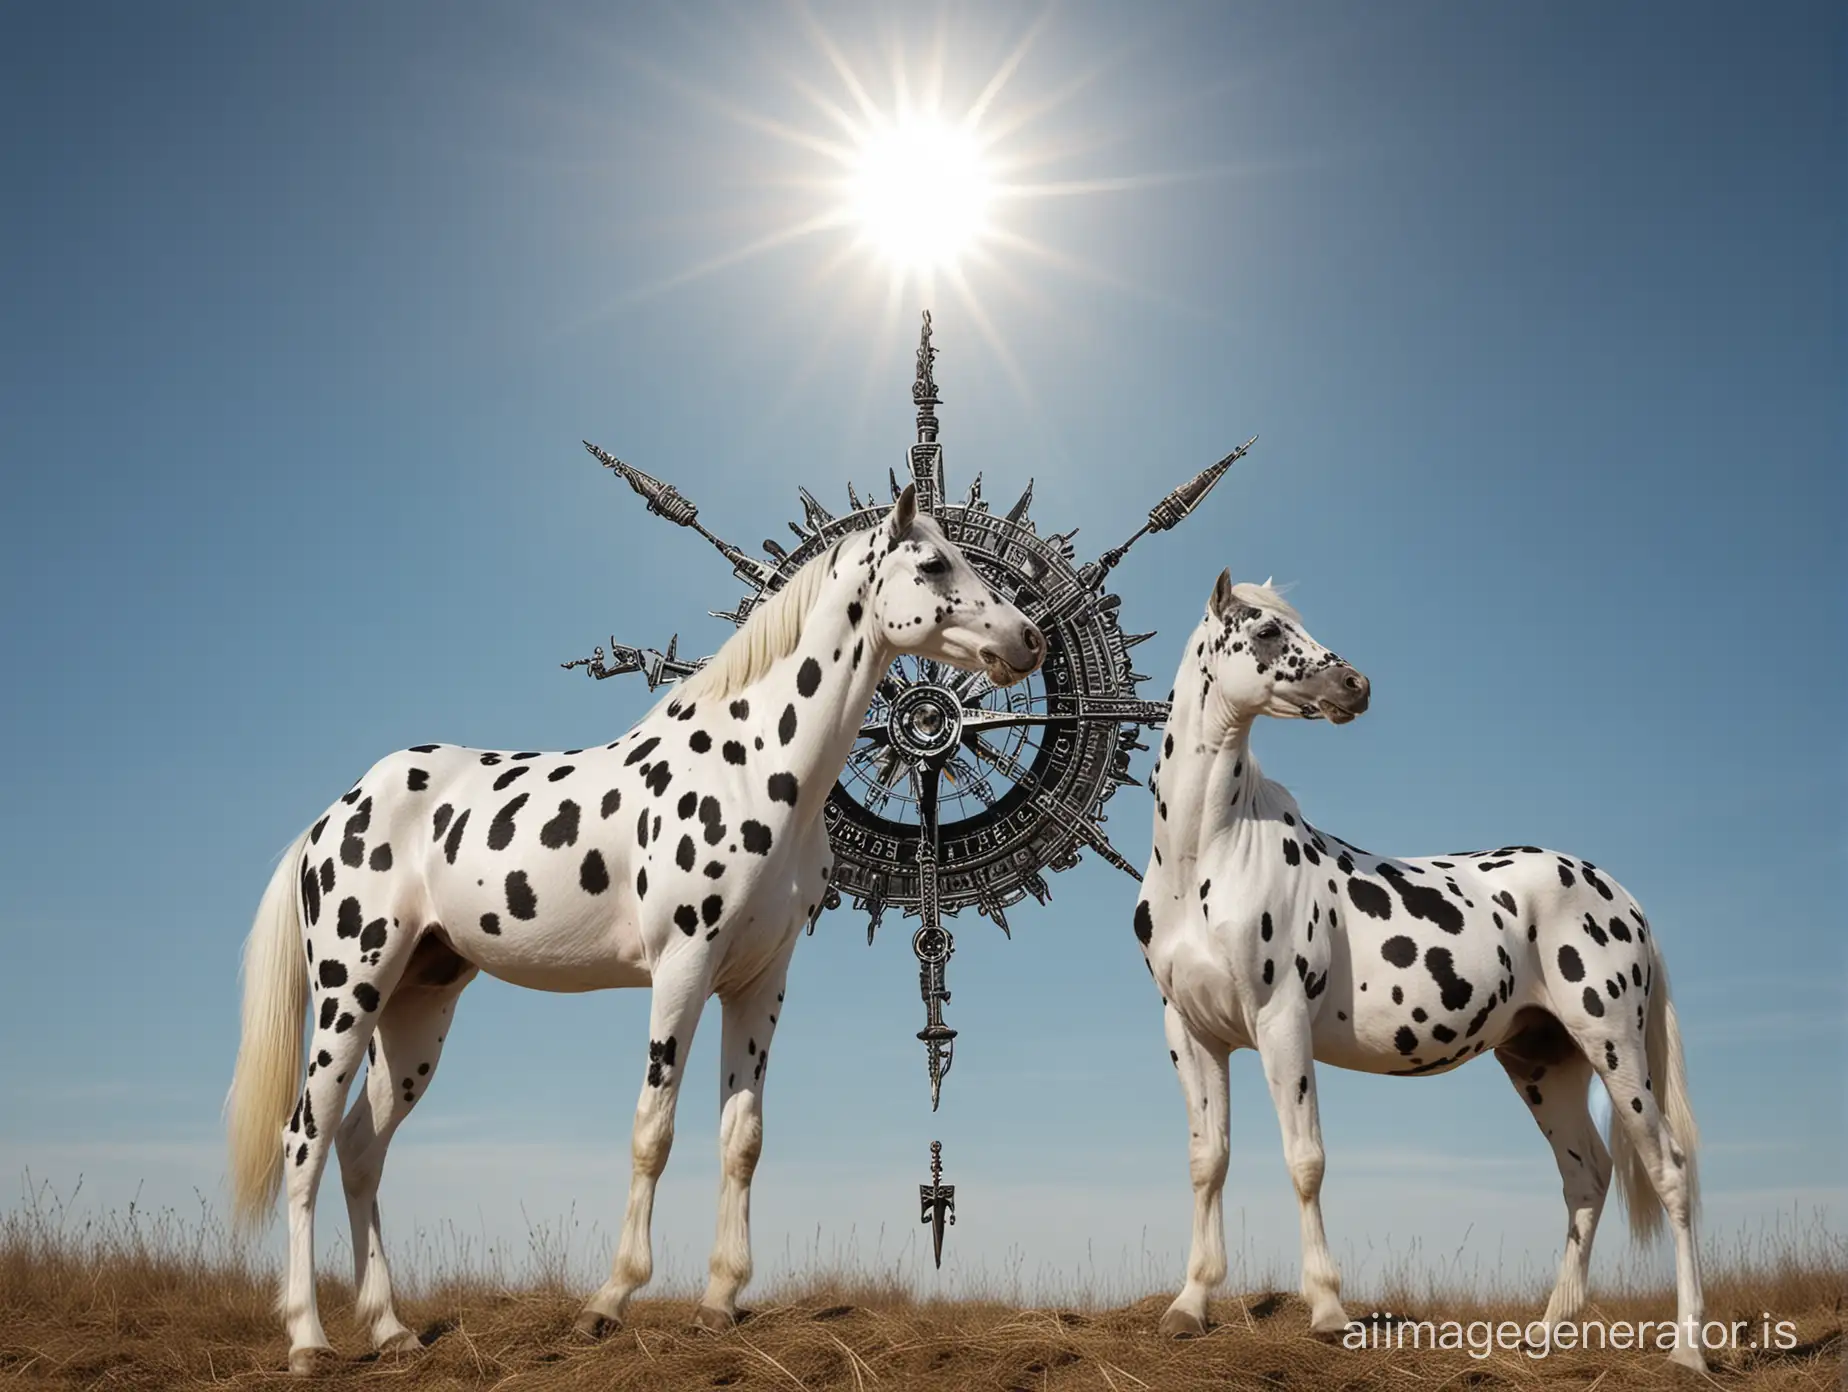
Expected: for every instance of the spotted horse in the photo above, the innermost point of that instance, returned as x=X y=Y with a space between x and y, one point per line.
x=1264 y=932
x=685 y=856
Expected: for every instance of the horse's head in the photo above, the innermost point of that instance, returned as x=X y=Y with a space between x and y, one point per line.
x=927 y=599
x=1263 y=661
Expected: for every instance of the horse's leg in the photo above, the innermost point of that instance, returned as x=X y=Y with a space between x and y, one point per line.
x=1284 y=1044
x=1201 y=1069
x=336 y=1048
x=1615 y=1043
x=405 y=1052
x=1556 y=1093
x=749 y=1024
x=681 y=984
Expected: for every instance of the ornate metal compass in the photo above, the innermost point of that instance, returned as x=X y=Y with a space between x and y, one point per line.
x=958 y=794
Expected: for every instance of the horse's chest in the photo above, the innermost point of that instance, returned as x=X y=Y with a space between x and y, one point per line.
x=772 y=909
x=1226 y=942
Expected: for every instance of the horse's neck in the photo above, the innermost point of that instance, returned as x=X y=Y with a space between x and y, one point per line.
x=1210 y=785
x=838 y=662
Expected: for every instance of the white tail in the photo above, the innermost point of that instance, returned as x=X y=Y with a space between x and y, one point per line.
x=1662 y=1042
x=269 y=1056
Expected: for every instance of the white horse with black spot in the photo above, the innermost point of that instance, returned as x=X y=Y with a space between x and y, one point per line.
x=1263 y=932
x=685 y=856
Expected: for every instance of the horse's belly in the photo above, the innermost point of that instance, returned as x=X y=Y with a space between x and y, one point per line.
x=1411 y=1021
x=591 y=950
x=1375 y=1047
x=599 y=974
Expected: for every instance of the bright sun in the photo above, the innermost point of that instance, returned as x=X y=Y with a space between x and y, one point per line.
x=920 y=192
x=923 y=181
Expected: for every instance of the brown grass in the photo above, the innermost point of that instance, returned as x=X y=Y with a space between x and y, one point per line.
x=140 y=1300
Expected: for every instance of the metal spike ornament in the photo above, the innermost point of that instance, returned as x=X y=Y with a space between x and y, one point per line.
x=937 y=1202
x=959 y=794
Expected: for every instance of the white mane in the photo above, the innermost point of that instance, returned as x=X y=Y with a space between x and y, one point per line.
x=1265 y=597
x=769 y=634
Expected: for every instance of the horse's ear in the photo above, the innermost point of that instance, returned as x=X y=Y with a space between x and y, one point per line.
x=1220 y=602
x=904 y=512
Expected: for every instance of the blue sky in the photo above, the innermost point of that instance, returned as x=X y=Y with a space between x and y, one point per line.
x=1538 y=313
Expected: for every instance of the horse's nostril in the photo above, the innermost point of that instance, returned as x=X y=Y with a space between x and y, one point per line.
x=1032 y=638
x=1353 y=681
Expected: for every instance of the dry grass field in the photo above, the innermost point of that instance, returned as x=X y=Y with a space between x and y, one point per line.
x=137 y=1301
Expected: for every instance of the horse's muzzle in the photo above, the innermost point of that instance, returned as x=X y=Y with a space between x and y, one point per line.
x=1005 y=670
x=1345 y=694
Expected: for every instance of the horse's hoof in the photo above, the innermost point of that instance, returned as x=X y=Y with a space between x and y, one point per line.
x=594 y=1326
x=1333 y=1321
x=1182 y=1324
x=400 y=1345
x=711 y=1321
x=1687 y=1356
x=306 y=1362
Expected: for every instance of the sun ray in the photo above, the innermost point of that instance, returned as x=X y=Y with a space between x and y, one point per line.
x=901 y=86
x=829 y=108
x=1038 y=305
x=821 y=222
x=1021 y=117
x=891 y=317
x=1049 y=151
x=934 y=66
x=1093 y=275
x=1044 y=432
x=979 y=108
x=926 y=278
x=869 y=110
x=832 y=327
x=744 y=116
x=978 y=315
x=1122 y=183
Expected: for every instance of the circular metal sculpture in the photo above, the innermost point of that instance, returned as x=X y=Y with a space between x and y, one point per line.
x=959 y=794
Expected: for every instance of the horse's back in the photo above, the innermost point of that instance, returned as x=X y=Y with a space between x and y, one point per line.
x=1440 y=954
x=511 y=857
x=577 y=870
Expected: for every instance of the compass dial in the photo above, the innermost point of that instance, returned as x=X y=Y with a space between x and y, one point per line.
x=957 y=793
x=1021 y=772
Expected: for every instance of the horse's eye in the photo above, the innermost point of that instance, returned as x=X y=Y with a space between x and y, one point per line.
x=936 y=565
x=1270 y=630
